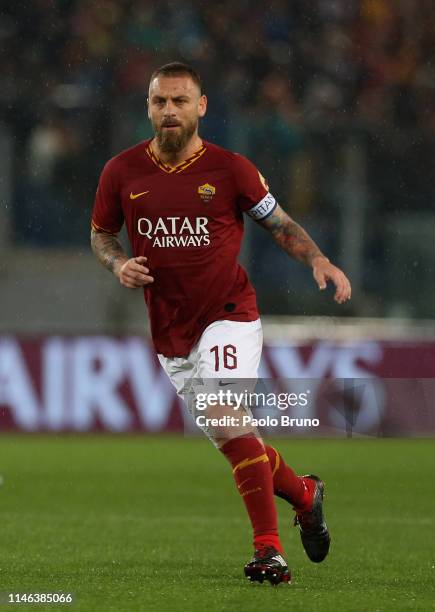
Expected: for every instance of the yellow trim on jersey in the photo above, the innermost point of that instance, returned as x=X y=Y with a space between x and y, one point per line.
x=277 y=462
x=264 y=458
x=179 y=167
x=96 y=227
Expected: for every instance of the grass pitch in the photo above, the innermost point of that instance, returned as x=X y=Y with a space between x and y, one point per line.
x=143 y=523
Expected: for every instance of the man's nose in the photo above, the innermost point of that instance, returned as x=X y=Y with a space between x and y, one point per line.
x=169 y=108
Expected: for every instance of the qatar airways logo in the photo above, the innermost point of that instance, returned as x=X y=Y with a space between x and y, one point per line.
x=175 y=231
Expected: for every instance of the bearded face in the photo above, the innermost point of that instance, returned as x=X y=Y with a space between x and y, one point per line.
x=175 y=105
x=172 y=136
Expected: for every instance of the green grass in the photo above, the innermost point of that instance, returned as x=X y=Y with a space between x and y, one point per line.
x=132 y=523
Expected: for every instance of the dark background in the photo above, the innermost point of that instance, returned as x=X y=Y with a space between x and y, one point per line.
x=334 y=102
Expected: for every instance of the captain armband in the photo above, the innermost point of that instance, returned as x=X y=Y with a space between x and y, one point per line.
x=264 y=208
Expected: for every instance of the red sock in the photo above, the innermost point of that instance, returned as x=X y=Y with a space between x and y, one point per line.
x=286 y=484
x=253 y=478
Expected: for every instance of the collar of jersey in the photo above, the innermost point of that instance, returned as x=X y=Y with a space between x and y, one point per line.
x=179 y=167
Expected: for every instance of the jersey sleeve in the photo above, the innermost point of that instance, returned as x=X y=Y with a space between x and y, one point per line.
x=253 y=196
x=107 y=215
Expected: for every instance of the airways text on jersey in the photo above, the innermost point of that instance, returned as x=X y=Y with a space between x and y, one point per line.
x=175 y=231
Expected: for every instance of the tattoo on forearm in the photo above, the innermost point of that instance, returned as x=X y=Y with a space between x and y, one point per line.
x=107 y=248
x=291 y=237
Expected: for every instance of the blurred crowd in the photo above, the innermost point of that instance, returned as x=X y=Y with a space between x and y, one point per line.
x=289 y=82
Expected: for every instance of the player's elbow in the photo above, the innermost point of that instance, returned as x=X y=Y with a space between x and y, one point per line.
x=95 y=240
x=92 y=237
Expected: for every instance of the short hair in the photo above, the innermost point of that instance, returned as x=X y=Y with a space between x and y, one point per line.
x=177 y=69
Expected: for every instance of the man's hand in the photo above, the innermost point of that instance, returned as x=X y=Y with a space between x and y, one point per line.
x=295 y=241
x=323 y=271
x=132 y=273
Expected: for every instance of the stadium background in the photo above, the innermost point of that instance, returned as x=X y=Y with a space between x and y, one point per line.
x=335 y=103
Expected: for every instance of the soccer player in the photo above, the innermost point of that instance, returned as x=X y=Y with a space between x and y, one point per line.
x=183 y=200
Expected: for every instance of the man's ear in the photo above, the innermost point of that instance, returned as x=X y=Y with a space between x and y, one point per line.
x=148 y=108
x=202 y=105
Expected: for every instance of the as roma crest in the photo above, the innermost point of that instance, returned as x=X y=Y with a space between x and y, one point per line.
x=206 y=192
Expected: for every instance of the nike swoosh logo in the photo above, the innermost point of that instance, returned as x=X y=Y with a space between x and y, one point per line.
x=133 y=196
x=222 y=384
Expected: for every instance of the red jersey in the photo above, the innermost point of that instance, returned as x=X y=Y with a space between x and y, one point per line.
x=187 y=220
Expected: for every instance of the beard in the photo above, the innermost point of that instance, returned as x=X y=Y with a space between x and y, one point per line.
x=174 y=141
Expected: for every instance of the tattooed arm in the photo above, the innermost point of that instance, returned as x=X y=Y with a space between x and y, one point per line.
x=130 y=271
x=295 y=241
x=107 y=249
x=291 y=237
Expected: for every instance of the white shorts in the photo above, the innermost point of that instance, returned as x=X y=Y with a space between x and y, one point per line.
x=225 y=350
